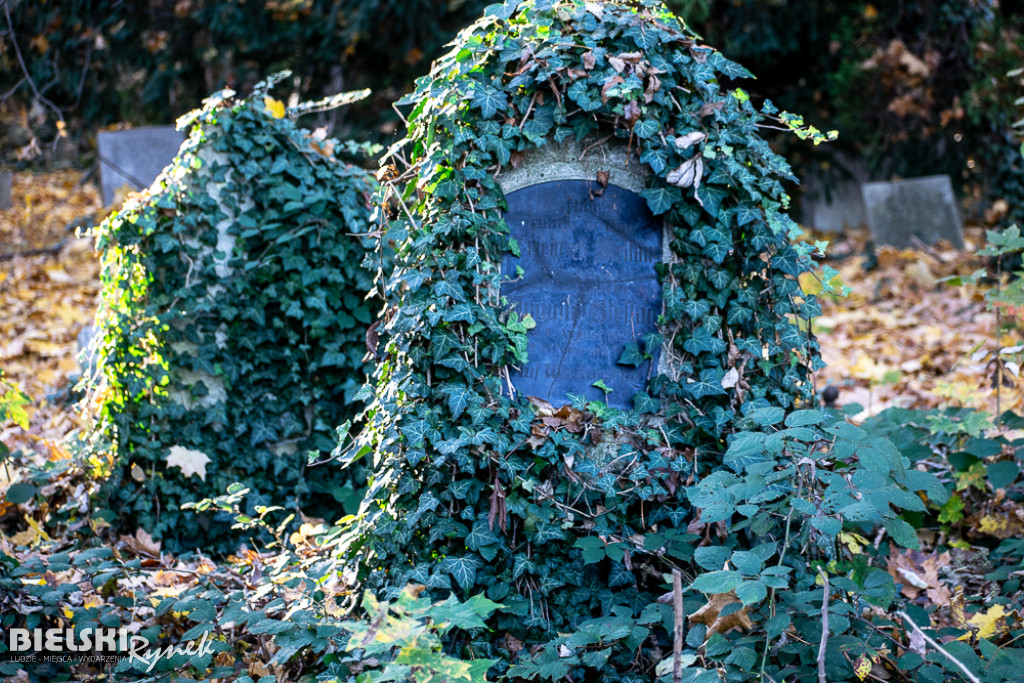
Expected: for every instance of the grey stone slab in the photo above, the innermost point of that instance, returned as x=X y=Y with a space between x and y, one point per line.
x=135 y=157
x=6 y=180
x=901 y=212
x=831 y=200
x=590 y=284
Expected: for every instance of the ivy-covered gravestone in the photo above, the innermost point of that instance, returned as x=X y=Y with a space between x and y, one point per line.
x=598 y=363
x=231 y=331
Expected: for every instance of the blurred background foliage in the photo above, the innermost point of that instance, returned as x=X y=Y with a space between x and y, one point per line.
x=914 y=87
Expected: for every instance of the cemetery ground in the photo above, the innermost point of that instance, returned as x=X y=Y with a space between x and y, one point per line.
x=904 y=336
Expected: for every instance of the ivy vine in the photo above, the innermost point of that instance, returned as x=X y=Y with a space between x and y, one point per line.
x=232 y=322
x=575 y=518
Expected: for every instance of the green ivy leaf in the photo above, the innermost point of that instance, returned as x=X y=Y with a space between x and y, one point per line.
x=462 y=569
x=660 y=199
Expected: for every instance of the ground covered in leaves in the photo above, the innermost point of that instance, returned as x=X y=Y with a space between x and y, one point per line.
x=907 y=335
x=49 y=281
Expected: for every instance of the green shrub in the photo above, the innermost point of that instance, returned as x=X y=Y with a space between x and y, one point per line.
x=232 y=322
x=723 y=470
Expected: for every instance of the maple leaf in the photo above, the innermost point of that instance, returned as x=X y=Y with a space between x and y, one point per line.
x=190 y=461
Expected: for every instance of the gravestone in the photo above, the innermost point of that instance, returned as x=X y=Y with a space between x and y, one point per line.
x=832 y=200
x=6 y=180
x=588 y=253
x=589 y=283
x=135 y=157
x=902 y=213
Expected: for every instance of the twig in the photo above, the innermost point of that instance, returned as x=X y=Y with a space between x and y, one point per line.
x=24 y=69
x=677 y=643
x=824 y=629
x=967 y=672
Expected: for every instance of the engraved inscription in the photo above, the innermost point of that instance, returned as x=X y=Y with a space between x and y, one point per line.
x=589 y=283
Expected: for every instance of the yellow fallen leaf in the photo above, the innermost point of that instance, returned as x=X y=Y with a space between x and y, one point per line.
x=862 y=667
x=989 y=623
x=274 y=107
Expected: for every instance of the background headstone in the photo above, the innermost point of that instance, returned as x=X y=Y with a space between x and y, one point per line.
x=903 y=212
x=6 y=180
x=588 y=282
x=135 y=157
x=831 y=199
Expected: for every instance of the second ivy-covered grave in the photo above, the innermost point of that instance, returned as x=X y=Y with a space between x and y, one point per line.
x=563 y=156
x=231 y=331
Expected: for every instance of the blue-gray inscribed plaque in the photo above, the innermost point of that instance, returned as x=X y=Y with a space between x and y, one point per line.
x=589 y=283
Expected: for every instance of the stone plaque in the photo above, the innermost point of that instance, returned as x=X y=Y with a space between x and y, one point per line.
x=135 y=157
x=923 y=208
x=589 y=283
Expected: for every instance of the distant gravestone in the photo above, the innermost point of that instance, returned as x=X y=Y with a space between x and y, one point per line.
x=6 y=180
x=589 y=283
x=902 y=213
x=832 y=201
x=135 y=157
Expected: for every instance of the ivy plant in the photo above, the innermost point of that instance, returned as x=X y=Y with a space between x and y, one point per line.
x=576 y=518
x=233 y=315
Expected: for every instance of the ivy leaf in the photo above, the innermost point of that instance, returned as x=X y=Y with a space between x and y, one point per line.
x=261 y=432
x=644 y=403
x=747 y=214
x=458 y=399
x=702 y=341
x=462 y=569
x=461 y=313
x=646 y=128
x=717 y=252
x=696 y=309
x=709 y=384
x=480 y=536
x=660 y=199
x=489 y=100
x=415 y=432
x=631 y=355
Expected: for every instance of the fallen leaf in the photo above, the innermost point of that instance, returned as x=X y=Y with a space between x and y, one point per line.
x=190 y=461
x=142 y=544
x=688 y=174
x=710 y=615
